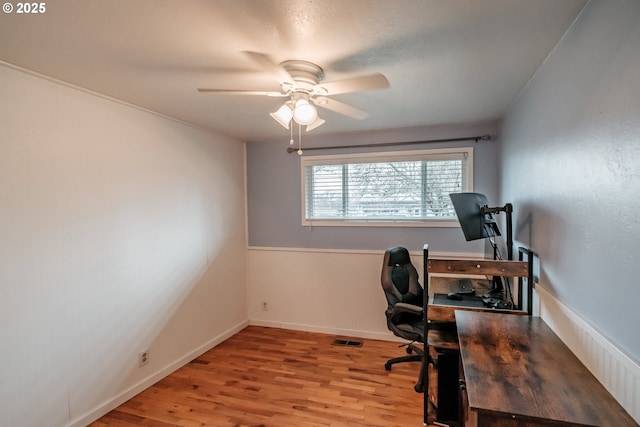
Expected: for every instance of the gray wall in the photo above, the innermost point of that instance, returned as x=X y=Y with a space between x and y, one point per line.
x=571 y=166
x=274 y=192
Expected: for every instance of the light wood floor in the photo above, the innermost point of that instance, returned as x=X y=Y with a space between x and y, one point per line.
x=268 y=377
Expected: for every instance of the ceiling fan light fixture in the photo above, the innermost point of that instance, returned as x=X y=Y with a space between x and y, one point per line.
x=283 y=115
x=317 y=122
x=304 y=113
x=302 y=83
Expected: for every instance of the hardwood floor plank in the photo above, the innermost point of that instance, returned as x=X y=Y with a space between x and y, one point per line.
x=122 y=419
x=273 y=377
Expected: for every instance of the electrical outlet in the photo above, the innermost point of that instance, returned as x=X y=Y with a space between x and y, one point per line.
x=265 y=306
x=143 y=357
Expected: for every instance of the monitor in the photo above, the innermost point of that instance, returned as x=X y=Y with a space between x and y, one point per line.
x=475 y=223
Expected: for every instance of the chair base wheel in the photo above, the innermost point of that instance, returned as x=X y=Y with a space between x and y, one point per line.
x=387 y=366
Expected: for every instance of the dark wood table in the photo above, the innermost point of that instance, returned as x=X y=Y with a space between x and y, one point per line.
x=517 y=372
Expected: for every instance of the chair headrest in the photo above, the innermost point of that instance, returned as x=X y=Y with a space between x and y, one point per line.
x=399 y=256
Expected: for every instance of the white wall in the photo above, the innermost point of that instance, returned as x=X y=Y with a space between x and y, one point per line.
x=120 y=230
x=329 y=291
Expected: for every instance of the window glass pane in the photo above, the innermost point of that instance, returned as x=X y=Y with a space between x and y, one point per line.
x=384 y=190
x=443 y=178
x=324 y=192
x=405 y=186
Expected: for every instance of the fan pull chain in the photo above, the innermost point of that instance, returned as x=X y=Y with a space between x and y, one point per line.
x=299 y=140
x=291 y=130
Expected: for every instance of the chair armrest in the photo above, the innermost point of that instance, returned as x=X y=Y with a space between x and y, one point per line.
x=403 y=307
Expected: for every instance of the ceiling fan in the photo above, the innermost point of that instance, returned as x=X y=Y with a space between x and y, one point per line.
x=301 y=82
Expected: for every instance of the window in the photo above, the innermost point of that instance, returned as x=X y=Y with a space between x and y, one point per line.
x=403 y=188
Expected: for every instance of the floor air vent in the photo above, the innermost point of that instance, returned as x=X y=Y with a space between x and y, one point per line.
x=347 y=343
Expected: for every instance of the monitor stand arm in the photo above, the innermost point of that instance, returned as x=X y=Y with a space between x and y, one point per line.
x=508 y=209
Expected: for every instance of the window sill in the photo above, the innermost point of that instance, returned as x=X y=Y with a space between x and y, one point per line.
x=380 y=223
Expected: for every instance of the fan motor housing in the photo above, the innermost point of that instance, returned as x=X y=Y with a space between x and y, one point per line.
x=306 y=74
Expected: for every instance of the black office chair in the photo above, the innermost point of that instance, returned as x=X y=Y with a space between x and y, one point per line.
x=405 y=305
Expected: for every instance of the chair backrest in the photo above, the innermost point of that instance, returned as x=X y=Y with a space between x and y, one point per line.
x=399 y=278
x=400 y=283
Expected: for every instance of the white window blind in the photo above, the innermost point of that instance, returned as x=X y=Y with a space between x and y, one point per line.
x=400 y=186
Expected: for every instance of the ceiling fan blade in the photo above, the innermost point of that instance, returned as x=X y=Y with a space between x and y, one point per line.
x=354 y=84
x=276 y=70
x=339 y=107
x=243 y=92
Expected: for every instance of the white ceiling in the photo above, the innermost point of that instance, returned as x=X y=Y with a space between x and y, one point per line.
x=447 y=61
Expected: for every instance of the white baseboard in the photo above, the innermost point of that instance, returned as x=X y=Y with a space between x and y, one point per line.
x=618 y=373
x=383 y=336
x=147 y=382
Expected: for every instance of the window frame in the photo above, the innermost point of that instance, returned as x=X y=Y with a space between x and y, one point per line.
x=388 y=156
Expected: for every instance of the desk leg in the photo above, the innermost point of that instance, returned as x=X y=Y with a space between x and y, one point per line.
x=424 y=371
x=448 y=361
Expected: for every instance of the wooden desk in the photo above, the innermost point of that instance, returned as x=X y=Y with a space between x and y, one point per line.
x=444 y=396
x=517 y=372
